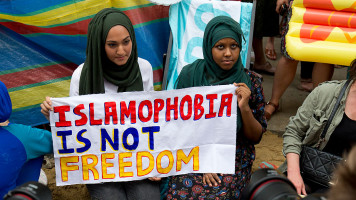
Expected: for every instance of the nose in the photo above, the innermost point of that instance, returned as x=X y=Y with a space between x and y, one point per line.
x=227 y=52
x=120 y=50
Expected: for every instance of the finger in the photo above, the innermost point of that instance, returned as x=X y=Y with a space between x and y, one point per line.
x=49 y=103
x=299 y=190
x=208 y=180
x=154 y=178
x=303 y=190
x=43 y=111
x=241 y=84
x=204 y=182
x=48 y=99
x=46 y=105
x=216 y=178
x=43 y=107
x=213 y=180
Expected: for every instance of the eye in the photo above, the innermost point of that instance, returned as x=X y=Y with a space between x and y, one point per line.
x=127 y=41
x=220 y=46
x=111 y=45
x=234 y=46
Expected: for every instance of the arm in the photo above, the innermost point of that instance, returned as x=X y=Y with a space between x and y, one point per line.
x=293 y=172
x=298 y=125
x=37 y=142
x=293 y=138
x=252 y=128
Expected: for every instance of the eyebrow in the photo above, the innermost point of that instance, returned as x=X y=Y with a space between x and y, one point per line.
x=115 y=41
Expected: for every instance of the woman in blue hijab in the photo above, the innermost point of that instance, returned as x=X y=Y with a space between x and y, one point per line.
x=18 y=145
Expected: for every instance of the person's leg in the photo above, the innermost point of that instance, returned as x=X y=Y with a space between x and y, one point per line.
x=285 y=72
x=142 y=190
x=306 y=71
x=110 y=190
x=269 y=50
x=258 y=50
x=322 y=72
x=260 y=64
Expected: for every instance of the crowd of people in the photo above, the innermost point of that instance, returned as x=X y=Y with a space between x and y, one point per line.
x=112 y=65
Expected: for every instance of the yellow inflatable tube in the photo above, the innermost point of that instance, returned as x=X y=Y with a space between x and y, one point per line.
x=323 y=31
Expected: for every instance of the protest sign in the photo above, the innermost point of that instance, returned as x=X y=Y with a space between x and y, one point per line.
x=136 y=135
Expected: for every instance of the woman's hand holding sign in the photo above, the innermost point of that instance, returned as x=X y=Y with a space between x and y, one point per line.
x=252 y=129
x=243 y=95
x=212 y=179
x=46 y=106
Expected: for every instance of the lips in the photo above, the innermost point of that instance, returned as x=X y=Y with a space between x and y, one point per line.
x=227 y=61
x=120 y=58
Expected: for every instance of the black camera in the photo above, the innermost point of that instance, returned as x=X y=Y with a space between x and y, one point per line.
x=29 y=191
x=269 y=184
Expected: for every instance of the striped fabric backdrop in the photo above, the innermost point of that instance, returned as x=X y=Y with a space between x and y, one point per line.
x=43 y=41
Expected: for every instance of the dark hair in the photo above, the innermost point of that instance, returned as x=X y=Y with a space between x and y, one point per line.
x=345 y=178
x=352 y=70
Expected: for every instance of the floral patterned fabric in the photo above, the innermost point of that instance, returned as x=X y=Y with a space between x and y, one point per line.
x=190 y=186
x=284 y=26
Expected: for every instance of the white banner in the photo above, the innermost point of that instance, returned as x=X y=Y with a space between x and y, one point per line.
x=136 y=135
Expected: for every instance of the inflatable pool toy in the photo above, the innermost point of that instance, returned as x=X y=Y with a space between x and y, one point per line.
x=323 y=31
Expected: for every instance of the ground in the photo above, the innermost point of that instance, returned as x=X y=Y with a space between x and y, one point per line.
x=269 y=149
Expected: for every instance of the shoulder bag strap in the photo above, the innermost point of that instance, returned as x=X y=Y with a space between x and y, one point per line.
x=334 y=109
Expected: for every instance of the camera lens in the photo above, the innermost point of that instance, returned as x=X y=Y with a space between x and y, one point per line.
x=29 y=191
x=268 y=184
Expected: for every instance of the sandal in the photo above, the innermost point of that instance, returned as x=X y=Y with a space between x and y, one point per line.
x=271 y=54
x=268 y=115
x=264 y=69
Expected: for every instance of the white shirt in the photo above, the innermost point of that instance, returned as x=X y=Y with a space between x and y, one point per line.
x=146 y=74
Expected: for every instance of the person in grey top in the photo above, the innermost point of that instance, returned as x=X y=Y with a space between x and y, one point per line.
x=307 y=125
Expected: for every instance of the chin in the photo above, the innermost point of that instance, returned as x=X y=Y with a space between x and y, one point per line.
x=224 y=67
x=121 y=63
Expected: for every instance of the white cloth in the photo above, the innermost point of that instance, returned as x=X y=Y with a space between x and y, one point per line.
x=146 y=74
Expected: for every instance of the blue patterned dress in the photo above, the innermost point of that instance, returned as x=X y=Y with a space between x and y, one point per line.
x=190 y=186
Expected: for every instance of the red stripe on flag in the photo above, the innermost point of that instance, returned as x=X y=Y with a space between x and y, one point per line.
x=71 y=29
x=157 y=75
x=37 y=75
x=137 y=16
x=146 y=14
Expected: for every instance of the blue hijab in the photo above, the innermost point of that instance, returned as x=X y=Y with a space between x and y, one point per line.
x=5 y=103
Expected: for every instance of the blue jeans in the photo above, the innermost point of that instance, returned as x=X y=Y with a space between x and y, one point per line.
x=132 y=190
